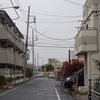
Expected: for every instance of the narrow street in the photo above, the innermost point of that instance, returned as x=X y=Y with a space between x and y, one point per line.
x=36 y=89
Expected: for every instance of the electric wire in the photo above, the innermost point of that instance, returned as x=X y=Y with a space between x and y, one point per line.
x=77 y=4
x=54 y=46
x=47 y=36
x=15 y=11
x=55 y=22
x=23 y=13
x=52 y=14
x=74 y=3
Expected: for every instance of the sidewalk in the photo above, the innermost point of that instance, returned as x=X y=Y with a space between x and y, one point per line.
x=77 y=97
x=17 y=84
x=81 y=97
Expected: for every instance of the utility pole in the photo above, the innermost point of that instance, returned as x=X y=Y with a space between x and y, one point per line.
x=69 y=56
x=33 y=49
x=25 y=63
x=15 y=54
x=37 y=59
x=15 y=60
x=35 y=62
x=33 y=43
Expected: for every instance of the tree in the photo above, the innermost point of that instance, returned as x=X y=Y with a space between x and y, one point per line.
x=76 y=66
x=2 y=81
x=97 y=63
x=29 y=72
x=65 y=70
x=70 y=68
x=49 y=67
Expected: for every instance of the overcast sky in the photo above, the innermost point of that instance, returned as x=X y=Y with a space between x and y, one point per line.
x=55 y=20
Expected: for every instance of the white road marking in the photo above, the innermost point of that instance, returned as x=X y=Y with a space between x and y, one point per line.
x=8 y=91
x=57 y=93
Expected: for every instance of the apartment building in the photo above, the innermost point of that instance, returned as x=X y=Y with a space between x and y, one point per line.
x=12 y=47
x=87 y=41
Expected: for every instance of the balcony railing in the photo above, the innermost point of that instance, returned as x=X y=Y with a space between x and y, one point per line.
x=86 y=41
x=11 y=37
x=8 y=57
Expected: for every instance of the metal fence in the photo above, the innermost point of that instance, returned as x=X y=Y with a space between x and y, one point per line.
x=94 y=89
x=95 y=84
x=95 y=95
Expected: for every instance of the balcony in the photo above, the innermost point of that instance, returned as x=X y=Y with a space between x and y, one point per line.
x=9 y=35
x=86 y=41
x=8 y=57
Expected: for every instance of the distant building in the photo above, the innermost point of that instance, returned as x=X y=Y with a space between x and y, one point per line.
x=57 y=64
x=43 y=67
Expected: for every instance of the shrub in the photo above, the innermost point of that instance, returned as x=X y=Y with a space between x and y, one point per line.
x=97 y=83
x=49 y=67
x=29 y=72
x=97 y=63
x=9 y=79
x=69 y=69
x=2 y=80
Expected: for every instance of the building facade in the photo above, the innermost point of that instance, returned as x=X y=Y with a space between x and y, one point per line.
x=12 y=47
x=87 y=41
x=57 y=64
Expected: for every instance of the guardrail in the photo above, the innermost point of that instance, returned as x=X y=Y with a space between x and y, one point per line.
x=95 y=95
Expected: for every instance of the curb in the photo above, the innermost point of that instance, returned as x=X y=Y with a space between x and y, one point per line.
x=69 y=94
x=74 y=96
x=16 y=84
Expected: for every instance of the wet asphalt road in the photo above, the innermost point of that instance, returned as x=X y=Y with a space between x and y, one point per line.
x=36 y=89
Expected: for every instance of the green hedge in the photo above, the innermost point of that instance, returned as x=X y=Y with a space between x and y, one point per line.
x=9 y=79
x=2 y=80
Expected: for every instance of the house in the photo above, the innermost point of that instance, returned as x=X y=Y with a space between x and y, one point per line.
x=87 y=41
x=12 y=47
x=56 y=63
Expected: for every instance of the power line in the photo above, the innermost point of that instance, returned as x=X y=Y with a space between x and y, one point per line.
x=48 y=36
x=53 y=22
x=15 y=10
x=52 y=15
x=23 y=13
x=74 y=3
x=51 y=37
x=59 y=18
x=49 y=41
x=50 y=22
x=77 y=3
x=53 y=46
x=51 y=19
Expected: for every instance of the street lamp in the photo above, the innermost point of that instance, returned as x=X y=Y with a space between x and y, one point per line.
x=15 y=7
